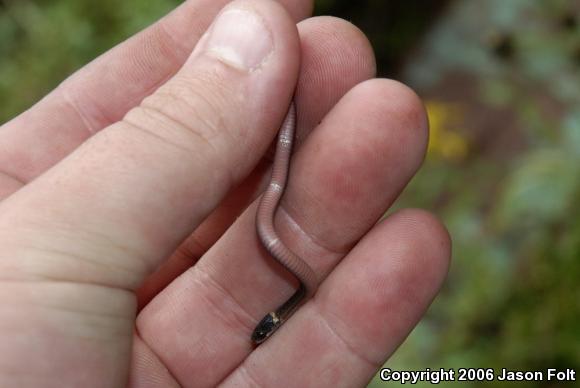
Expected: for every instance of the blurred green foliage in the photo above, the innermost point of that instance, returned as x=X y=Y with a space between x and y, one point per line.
x=501 y=83
x=42 y=42
x=508 y=71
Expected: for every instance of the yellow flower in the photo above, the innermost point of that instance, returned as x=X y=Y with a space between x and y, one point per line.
x=445 y=141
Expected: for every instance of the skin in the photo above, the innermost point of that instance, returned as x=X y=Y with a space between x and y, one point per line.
x=127 y=226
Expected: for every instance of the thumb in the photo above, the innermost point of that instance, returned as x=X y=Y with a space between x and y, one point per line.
x=132 y=193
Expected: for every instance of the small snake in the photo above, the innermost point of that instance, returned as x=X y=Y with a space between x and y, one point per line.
x=270 y=240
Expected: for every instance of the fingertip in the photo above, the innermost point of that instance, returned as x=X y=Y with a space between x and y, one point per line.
x=336 y=56
x=432 y=240
x=394 y=107
x=398 y=101
x=249 y=35
x=340 y=38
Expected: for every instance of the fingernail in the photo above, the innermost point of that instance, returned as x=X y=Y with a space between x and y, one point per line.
x=240 y=37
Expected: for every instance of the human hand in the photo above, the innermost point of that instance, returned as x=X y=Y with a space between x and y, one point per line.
x=149 y=160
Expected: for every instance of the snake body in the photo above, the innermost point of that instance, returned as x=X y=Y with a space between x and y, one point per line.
x=271 y=241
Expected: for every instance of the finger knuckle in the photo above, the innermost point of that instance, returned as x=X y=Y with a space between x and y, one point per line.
x=186 y=111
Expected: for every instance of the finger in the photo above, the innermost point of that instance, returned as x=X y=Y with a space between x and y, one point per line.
x=97 y=222
x=105 y=90
x=336 y=56
x=361 y=313
x=183 y=148
x=360 y=158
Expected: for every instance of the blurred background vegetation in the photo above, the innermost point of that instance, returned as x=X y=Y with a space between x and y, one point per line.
x=501 y=81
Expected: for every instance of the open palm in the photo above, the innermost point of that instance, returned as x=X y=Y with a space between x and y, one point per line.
x=129 y=252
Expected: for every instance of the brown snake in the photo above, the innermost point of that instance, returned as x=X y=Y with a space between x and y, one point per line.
x=270 y=240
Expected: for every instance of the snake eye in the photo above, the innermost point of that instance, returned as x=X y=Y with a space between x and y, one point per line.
x=265 y=328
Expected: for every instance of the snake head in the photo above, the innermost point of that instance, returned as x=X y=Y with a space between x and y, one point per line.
x=266 y=328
